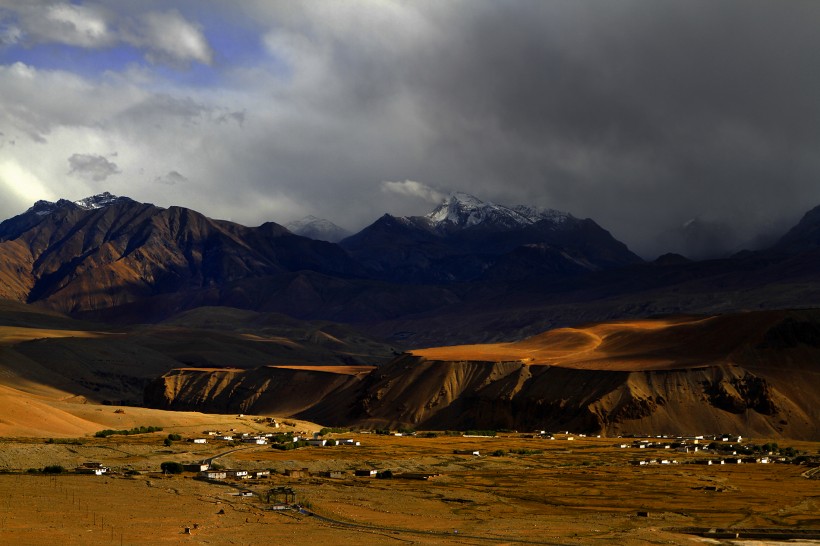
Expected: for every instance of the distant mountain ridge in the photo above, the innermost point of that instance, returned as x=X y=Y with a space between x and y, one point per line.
x=318 y=228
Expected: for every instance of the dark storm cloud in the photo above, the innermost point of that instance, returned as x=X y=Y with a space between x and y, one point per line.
x=643 y=115
x=635 y=113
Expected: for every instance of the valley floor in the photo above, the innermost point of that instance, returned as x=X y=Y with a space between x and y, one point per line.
x=549 y=492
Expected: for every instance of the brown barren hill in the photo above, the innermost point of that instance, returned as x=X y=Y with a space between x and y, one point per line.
x=23 y=414
x=748 y=373
x=752 y=373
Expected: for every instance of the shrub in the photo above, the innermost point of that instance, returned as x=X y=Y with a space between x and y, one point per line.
x=498 y=453
x=53 y=469
x=136 y=430
x=174 y=437
x=171 y=467
x=67 y=441
x=329 y=430
x=480 y=433
x=385 y=475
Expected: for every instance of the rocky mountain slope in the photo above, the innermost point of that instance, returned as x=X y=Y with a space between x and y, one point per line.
x=752 y=374
x=109 y=252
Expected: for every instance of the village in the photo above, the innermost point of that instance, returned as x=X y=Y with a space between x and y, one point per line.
x=299 y=474
x=721 y=449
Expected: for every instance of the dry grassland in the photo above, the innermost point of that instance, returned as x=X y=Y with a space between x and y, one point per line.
x=573 y=492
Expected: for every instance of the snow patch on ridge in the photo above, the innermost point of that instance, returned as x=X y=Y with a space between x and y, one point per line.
x=463 y=210
x=101 y=200
x=97 y=201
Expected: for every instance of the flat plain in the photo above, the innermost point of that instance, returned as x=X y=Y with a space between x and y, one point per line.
x=538 y=491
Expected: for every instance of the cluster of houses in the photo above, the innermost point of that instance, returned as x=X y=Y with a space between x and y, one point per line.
x=244 y=437
x=720 y=444
x=716 y=461
x=320 y=442
x=683 y=444
x=266 y=438
x=207 y=473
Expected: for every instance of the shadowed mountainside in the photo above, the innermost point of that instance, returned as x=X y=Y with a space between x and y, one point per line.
x=44 y=353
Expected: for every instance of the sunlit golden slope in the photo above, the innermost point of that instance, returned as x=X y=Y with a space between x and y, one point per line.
x=639 y=345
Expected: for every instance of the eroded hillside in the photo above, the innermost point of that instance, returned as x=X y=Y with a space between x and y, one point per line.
x=750 y=373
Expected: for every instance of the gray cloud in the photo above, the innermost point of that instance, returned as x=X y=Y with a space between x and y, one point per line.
x=164 y=36
x=169 y=38
x=171 y=179
x=94 y=167
x=411 y=188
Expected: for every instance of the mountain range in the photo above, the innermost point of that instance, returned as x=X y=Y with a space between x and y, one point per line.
x=110 y=299
x=114 y=257
x=467 y=271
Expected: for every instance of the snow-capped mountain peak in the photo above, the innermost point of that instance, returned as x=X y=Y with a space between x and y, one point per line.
x=462 y=210
x=97 y=201
x=44 y=208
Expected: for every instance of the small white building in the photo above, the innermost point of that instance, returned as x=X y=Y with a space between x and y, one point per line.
x=92 y=468
x=317 y=442
x=199 y=441
x=213 y=474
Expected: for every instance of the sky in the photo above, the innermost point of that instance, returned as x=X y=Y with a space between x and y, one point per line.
x=646 y=116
